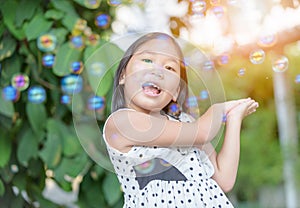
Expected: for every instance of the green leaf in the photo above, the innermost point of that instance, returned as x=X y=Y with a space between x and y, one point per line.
x=69 y=21
x=111 y=188
x=71 y=145
x=5 y=148
x=64 y=58
x=8 y=10
x=2 y=188
x=37 y=26
x=2 y=28
x=71 y=166
x=37 y=116
x=54 y=14
x=25 y=10
x=65 y=6
x=60 y=34
x=101 y=62
x=51 y=153
x=8 y=46
x=28 y=141
x=6 y=107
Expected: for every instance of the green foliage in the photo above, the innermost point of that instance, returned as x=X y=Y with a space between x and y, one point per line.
x=38 y=140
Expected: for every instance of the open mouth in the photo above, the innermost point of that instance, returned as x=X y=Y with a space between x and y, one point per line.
x=151 y=89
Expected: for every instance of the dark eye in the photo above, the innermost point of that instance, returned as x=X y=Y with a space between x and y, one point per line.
x=170 y=68
x=149 y=61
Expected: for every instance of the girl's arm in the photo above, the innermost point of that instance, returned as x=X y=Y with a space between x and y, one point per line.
x=226 y=161
x=127 y=128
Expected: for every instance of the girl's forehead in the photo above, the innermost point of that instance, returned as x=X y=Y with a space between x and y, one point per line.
x=160 y=46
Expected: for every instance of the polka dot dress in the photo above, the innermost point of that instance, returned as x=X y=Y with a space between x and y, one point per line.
x=167 y=177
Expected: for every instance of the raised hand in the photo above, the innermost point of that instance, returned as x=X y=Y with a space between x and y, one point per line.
x=243 y=108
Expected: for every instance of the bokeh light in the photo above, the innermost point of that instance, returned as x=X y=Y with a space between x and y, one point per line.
x=96 y=103
x=76 y=67
x=71 y=84
x=257 y=56
x=102 y=20
x=48 y=60
x=9 y=93
x=36 y=94
x=280 y=64
x=46 y=43
x=20 y=81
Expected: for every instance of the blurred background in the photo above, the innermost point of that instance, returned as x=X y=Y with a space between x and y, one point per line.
x=57 y=62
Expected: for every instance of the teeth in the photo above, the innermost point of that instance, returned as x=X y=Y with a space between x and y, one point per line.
x=149 y=84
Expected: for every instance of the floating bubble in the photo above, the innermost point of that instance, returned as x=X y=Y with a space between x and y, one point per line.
x=102 y=20
x=204 y=94
x=198 y=6
x=76 y=67
x=114 y=2
x=218 y=11
x=208 y=65
x=215 y=2
x=280 y=64
x=97 y=69
x=241 y=72
x=46 y=43
x=48 y=60
x=10 y=93
x=77 y=41
x=223 y=59
x=192 y=101
x=65 y=99
x=36 y=94
x=92 y=4
x=93 y=39
x=267 y=40
x=297 y=79
x=96 y=103
x=71 y=84
x=20 y=81
x=80 y=24
x=257 y=56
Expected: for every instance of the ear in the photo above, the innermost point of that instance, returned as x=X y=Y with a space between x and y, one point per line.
x=175 y=96
x=122 y=79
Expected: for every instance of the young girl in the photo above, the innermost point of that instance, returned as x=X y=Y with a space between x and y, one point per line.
x=161 y=156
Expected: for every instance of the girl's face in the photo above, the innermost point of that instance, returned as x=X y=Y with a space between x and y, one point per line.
x=152 y=76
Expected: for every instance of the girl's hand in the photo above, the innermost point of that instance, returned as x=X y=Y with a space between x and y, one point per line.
x=244 y=108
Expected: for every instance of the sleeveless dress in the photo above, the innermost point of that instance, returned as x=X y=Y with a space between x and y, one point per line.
x=164 y=177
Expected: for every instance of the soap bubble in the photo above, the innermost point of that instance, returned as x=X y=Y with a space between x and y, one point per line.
x=71 y=84
x=20 y=81
x=76 y=67
x=65 y=99
x=96 y=103
x=102 y=20
x=46 y=43
x=92 y=4
x=10 y=93
x=114 y=2
x=36 y=94
x=48 y=60
x=257 y=56
x=280 y=64
x=204 y=95
x=77 y=41
x=297 y=79
x=241 y=72
x=198 y=6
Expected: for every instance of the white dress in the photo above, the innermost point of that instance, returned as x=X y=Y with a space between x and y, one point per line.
x=167 y=177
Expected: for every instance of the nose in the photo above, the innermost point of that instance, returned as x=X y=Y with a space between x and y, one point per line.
x=157 y=71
